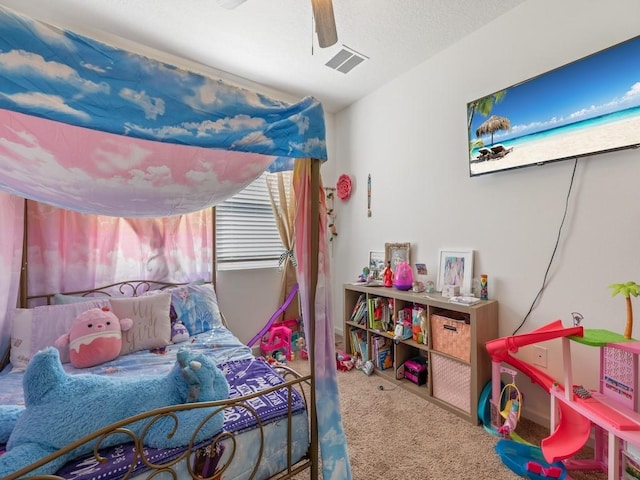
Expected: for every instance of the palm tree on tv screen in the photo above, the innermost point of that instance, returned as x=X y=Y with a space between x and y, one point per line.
x=482 y=106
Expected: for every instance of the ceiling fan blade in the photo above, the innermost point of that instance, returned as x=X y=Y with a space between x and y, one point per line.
x=230 y=4
x=325 y=22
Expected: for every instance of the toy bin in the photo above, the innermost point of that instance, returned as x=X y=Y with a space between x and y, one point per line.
x=451 y=381
x=451 y=335
x=415 y=370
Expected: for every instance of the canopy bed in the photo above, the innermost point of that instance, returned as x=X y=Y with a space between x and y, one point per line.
x=90 y=128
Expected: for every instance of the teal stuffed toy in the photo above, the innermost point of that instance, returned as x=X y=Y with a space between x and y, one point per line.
x=62 y=408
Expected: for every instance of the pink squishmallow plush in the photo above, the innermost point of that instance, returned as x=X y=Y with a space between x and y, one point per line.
x=95 y=337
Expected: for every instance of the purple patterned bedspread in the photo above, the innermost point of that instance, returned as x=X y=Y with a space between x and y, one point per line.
x=244 y=377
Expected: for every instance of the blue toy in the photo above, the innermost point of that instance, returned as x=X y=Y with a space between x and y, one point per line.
x=528 y=461
x=62 y=408
x=8 y=417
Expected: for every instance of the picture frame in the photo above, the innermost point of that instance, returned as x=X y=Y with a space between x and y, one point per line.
x=376 y=263
x=455 y=267
x=396 y=253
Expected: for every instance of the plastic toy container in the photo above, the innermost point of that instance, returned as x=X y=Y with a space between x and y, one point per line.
x=528 y=461
x=277 y=338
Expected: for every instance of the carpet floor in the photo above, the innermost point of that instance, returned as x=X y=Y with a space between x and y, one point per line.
x=396 y=435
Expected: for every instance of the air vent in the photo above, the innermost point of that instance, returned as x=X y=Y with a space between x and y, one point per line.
x=346 y=60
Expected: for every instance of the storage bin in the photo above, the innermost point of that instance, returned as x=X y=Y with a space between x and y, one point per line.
x=451 y=336
x=415 y=370
x=451 y=381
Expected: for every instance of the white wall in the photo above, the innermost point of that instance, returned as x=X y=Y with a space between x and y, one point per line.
x=411 y=137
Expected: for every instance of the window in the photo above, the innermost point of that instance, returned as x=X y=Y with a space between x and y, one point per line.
x=246 y=231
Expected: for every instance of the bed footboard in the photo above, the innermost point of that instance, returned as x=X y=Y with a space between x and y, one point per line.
x=216 y=458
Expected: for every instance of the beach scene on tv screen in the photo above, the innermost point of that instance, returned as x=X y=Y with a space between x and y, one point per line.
x=588 y=106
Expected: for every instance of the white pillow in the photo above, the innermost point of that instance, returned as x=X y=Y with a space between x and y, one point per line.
x=151 y=321
x=33 y=329
x=20 y=352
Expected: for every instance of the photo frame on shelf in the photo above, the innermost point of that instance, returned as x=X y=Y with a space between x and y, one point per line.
x=396 y=253
x=376 y=264
x=455 y=267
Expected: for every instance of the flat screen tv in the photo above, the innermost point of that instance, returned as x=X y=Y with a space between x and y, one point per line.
x=587 y=107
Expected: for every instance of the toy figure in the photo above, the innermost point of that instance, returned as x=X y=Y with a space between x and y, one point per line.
x=388 y=320
x=364 y=276
x=302 y=346
x=387 y=275
x=512 y=420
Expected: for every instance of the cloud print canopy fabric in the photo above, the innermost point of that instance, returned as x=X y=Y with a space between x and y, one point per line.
x=74 y=116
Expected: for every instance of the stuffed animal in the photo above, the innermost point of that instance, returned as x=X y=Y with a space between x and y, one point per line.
x=95 y=337
x=9 y=415
x=179 y=332
x=61 y=408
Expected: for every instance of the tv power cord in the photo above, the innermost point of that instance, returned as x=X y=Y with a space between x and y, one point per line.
x=386 y=389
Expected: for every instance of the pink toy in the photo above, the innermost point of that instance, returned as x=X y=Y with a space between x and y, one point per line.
x=302 y=347
x=611 y=412
x=403 y=277
x=278 y=338
x=275 y=316
x=344 y=361
x=549 y=472
x=95 y=337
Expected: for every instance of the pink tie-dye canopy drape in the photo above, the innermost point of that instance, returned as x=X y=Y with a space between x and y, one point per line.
x=92 y=128
x=70 y=251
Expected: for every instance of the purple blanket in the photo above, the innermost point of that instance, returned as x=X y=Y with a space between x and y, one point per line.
x=244 y=377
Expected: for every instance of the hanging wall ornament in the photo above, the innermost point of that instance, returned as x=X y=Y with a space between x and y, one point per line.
x=331 y=213
x=369 y=196
x=343 y=187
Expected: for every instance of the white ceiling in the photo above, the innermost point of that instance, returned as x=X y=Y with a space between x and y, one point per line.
x=271 y=42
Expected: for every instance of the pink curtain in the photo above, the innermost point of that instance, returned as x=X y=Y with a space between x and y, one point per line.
x=333 y=443
x=11 y=219
x=69 y=251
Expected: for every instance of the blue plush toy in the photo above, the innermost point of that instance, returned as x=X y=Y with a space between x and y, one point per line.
x=62 y=408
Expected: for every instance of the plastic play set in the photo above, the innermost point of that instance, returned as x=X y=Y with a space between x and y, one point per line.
x=279 y=339
x=611 y=410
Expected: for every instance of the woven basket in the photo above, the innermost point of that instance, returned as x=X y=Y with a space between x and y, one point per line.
x=451 y=336
x=451 y=381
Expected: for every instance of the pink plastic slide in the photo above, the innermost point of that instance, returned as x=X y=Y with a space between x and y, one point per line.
x=570 y=435
x=275 y=316
x=572 y=431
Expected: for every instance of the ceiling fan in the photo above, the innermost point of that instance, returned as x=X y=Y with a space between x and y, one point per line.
x=322 y=13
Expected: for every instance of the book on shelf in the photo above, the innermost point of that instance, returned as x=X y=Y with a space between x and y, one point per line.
x=359 y=313
x=359 y=342
x=382 y=352
x=385 y=359
x=380 y=314
x=356 y=307
x=364 y=349
x=374 y=311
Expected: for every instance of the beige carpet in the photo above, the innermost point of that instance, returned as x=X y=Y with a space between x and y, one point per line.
x=393 y=434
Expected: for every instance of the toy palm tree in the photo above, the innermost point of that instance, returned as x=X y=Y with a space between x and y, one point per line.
x=627 y=289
